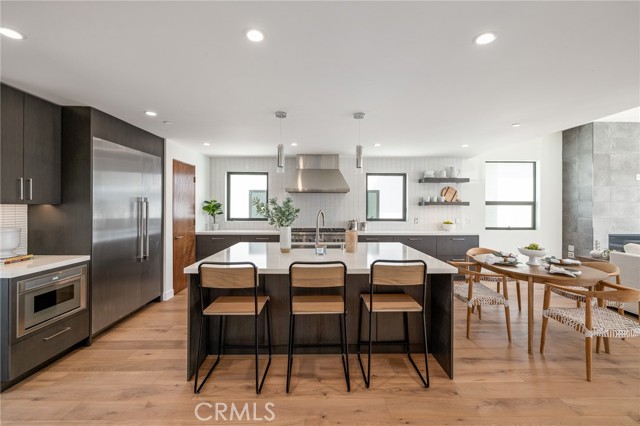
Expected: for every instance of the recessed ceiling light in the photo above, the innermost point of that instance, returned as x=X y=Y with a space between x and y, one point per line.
x=8 y=32
x=167 y=122
x=294 y=144
x=255 y=36
x=377 y=144
x=151 y=113
x=206 y=144
x=515 y=125
x=485 y=38
x=465 y=146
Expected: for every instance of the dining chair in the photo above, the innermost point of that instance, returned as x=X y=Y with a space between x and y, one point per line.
x=498 y=280
x=233 y=277
x=318 y=276
x=609 y=268
x=593 y=320
x=474 y=293
x=394 y=274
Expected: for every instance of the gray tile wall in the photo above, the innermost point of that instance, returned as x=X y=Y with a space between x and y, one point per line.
x=601 y=193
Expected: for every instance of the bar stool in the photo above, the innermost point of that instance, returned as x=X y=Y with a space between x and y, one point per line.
x=317 y=275
x=232 y=276
x=395 y=273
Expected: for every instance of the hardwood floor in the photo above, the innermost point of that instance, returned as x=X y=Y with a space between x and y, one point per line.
x=134 y=375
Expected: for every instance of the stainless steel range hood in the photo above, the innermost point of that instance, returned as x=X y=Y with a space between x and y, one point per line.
x=318 y=173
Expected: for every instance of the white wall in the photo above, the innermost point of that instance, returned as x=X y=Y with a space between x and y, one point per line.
x=547 y=152
x=185 y=155
x=339 y=208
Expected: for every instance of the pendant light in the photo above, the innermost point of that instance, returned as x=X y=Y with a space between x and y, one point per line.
x=359 y=154
x=280 y=156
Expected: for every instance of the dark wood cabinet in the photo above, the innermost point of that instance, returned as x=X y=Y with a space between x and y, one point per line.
x=31 y=149
x=423 y=243
x=11 y=124
x=456 y=245
x=260 y=238
x=375 y=238
x=206 y=245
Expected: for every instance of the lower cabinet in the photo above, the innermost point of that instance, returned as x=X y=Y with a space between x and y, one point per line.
x=375 y=238
x=206 y=245
x=425 y=243
x=456 y=245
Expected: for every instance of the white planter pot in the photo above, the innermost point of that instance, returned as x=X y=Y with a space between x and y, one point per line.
x=285 y=239
x=215 y=226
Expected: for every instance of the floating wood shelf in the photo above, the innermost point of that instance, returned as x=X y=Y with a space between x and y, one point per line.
x=443 y=180
x=437 y=203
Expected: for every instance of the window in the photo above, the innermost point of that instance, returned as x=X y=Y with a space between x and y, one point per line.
x=242 y=189
x=510 y=195
x=386 y=196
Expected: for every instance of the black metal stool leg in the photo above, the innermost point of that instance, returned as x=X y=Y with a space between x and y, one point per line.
x=364 y=375
x=260 y=383
x=196 y=388
x=425 y=382
x=290 y=351
x=345 y=346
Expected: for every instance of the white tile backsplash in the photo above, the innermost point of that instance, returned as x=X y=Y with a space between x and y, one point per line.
x=339 y=208
x=15 y=216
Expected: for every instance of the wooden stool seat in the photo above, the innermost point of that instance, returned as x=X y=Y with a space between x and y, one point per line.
x=322 y=304
x=236 y=305
x=394 y=302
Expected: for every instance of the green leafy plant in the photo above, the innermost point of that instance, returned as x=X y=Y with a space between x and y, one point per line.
x=280 y=215
x=213 y=208
x=533 y=246
x=447 y=222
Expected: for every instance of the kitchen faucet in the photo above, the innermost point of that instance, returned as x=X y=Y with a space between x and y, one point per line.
x=320 y=212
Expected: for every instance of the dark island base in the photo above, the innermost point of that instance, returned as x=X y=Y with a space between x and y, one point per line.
x=323 y=329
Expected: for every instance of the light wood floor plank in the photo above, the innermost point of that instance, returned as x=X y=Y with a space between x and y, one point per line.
x=134 y=375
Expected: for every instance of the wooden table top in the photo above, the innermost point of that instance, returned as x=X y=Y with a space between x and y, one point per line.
x=522 y=271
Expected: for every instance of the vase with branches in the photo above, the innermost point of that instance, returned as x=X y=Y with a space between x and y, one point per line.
x=281 y=215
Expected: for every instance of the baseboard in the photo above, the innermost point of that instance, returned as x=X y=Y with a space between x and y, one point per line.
x=167 y=295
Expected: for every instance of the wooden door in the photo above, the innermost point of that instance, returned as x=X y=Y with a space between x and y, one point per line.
x=184 y=222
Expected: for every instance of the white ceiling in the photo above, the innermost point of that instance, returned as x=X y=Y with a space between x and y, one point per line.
x=411 y=67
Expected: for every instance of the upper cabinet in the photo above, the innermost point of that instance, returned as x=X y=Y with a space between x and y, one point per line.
x=31 y=149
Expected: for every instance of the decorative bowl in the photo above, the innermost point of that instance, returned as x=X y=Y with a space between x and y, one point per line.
x=9 y=241
x=449 y=227
x=534 y=255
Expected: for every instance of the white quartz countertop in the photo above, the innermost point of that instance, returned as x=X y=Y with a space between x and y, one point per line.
x=39 y=263
x=269 y=260
x=275 y=232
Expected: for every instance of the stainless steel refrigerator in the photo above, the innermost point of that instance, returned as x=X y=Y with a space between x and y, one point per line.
x=126 y=251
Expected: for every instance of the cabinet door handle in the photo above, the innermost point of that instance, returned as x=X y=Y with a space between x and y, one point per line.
x=46 y=339
x=457 y=239
x=262 y=238
x=371 y=239
x=21 y=188
x=458 y=260
x=415 y=239
x=178 y=237
x=217 y=238
x=30 y=189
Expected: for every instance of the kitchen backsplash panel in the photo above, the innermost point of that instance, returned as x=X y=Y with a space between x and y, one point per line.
x=15 y=216
x=339 y=208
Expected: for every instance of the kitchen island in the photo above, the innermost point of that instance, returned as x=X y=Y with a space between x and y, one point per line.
x=273 y=268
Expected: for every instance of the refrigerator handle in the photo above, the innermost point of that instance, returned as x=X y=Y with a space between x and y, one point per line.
x=140 y=240
x=146 y=229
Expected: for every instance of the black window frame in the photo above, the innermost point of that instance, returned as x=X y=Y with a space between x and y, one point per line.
x=404 y=197
x=228 y=197
x=533 y=203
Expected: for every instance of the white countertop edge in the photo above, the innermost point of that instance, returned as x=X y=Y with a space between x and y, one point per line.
x=275 y=232
x=40 y=263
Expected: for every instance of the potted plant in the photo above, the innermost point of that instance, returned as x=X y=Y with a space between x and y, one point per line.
x=448 y=226
x=213 y=208
x=280 y=215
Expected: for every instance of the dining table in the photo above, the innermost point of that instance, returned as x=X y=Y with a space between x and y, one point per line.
x=533 y=274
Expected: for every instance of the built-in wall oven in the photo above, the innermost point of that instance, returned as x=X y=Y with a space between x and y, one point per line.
x=45 y=299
